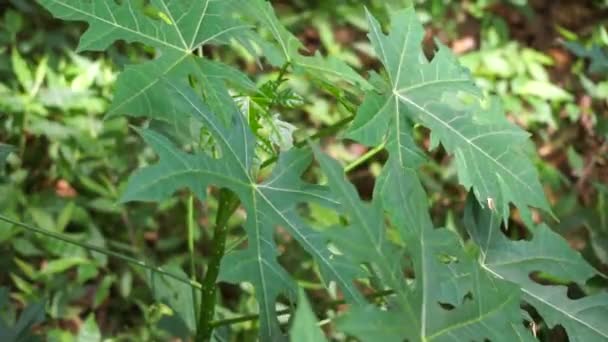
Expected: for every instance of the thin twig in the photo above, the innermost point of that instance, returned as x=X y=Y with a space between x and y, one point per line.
x=367 y=156
x=100 y=250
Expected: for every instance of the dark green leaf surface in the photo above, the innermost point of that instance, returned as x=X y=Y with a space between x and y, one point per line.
x=179 y=297
x=269 y=204
x=485 y=144
x=158 y=89
x=547 y=253
x=441 y=292
x=481 y=306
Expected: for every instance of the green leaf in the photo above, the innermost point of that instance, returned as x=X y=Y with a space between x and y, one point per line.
x=287 y=45
x=22 y=71
x=189 y=25
x=269 y=204
x=22 y=329
x=305 y=328
x=177 y=296
x=13 y=21
x=541 y=89
x=61 y=265
x=440 y=291
x=485 y=144
x=451 y=298
x=89 y=332
x=181 y=28
x=546 y=254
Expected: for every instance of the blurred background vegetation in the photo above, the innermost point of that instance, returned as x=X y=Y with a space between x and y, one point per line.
x=547 y=60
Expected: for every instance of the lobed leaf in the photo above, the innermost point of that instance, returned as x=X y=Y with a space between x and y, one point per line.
x=446 y=295
x=451 y=297
x=165 y=89
x=177 y=30
x=546 y=254
x=269 y=204
x=485 y=144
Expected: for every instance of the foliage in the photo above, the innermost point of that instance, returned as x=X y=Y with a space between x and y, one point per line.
x=224 y=138
x=64 y=173
x=546 y=255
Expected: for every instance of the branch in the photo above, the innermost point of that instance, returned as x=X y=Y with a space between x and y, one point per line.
x=228 y=203
x=367 y=156
x=100 y=250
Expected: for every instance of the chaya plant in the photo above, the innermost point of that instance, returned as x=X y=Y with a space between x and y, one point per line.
x=434 y=283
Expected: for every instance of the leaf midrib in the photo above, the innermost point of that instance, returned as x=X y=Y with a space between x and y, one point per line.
x=479 y=318
x=467 y=140
x=305 y=241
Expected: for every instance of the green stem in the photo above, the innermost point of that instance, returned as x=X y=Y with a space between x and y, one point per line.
x=255 y=317
x=190 y=223
x=99 y=250
x=228 y=203
x=327 y=131
x=281 y=77
x=190 y=226
x=367 y=156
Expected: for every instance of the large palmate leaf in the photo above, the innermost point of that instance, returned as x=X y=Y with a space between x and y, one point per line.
x=440 y=291
x=182 y=26
x=177 y=30
x=163 y=89
x=547 y=254
x=451 y=298
x=269 y=204
x=485 y=144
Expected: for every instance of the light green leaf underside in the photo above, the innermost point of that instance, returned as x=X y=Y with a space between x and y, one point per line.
x=485 y=144
x=483 y=307
x=584 y=319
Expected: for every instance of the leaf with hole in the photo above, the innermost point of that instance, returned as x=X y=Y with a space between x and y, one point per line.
x=526 y=263
x=451 y=297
